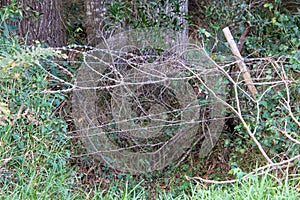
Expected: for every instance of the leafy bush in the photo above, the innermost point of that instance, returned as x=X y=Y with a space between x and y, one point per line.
x=274 y=29
x=274 y=32
x=137 y=14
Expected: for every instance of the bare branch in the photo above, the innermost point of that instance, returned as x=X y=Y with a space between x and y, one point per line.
x=258 y=171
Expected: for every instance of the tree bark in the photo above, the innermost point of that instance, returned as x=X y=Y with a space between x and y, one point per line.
x=94 y=25
x=182 y=35
x=96 y=28
x=42 y=21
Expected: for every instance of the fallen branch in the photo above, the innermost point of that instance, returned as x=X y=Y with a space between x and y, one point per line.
x=240 y=62
x=236 y=111
x=260 y=169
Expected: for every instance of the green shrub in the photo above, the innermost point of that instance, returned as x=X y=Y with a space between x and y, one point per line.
x=274 y=33
x=274 y=29
x=137 y=14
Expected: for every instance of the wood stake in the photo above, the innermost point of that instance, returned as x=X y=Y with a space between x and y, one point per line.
x=240 y=62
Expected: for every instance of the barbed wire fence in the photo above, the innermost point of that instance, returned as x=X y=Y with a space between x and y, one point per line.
x=139 y=105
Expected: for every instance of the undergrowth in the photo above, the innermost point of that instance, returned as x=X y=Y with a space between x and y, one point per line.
x=36 y=153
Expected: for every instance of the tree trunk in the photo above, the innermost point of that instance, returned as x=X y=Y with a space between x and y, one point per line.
x=42 y=21
x=182 y=35
x=97 y=29
x=94 y=25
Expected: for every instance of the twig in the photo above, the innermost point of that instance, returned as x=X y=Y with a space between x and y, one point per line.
x=288 y=135
x=244 y=36
x=270 y=166
x=236 y=111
